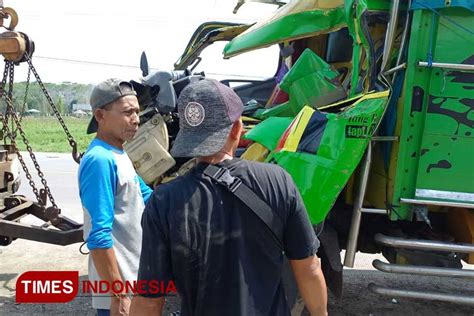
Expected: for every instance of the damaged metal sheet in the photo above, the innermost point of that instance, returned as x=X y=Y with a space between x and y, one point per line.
x=311 y=81
x=205 y=35
x=269 y=131
x=321 y=150
x=297 y=19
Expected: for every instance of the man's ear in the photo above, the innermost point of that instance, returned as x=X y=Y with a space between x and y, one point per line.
x=236 y=130
x=99 y=115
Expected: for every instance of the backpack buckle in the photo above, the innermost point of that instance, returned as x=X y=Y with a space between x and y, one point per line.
x=224 y=177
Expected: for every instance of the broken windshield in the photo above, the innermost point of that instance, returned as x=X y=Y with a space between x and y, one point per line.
x=257 y=65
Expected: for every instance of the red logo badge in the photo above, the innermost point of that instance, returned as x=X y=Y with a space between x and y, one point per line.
x=47 y=286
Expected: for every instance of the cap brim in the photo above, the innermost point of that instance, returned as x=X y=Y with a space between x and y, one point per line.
x=191 y=144
x=92 y=128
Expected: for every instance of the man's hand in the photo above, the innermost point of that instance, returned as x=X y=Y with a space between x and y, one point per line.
x=311 y=284
x=120 y=305
x=107 y=268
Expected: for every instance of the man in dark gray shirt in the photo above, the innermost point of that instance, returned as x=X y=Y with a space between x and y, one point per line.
x=221 y=256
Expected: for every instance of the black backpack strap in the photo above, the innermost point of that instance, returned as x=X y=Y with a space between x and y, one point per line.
x=263 y=211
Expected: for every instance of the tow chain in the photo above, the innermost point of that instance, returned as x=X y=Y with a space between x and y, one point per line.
x=27 y=87
x=11 y=78
x=8 y=74
x=75 y=154
x=9 y=134
x=15 y=121
x=2 y=91
x=12 y=136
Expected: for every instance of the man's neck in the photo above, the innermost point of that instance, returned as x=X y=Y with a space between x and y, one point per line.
x=110 y=140
x=216 y=158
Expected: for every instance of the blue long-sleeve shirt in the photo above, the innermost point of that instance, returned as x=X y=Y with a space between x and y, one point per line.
x=113 y=197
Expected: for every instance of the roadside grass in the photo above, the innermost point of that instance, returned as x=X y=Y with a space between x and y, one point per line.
x=45 y=134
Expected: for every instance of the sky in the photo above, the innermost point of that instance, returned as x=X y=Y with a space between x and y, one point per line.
x=77 y=41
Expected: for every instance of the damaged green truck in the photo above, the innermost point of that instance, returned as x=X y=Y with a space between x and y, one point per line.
x=371 y=111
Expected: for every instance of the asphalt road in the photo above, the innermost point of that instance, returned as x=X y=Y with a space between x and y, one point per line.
x=61 y=173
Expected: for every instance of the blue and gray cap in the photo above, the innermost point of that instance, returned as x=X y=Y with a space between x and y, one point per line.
x=207 y=110
x=107 y=92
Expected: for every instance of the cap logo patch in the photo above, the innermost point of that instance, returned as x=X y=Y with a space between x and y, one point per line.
x=194 y=113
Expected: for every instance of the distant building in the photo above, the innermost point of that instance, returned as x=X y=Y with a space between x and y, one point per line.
x=79 y=113
x=82 y=106
x=32 y=112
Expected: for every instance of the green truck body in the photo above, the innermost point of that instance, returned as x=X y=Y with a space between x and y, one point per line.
x=377 y=117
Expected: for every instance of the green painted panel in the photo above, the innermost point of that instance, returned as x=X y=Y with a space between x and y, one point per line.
x=450 y=115
x=281 y=110
x=268 y=132
x=378 y=5
x=354 y=14
x=438 y=109
x=414 y=105
x=320 y=178
x=447 y=150
x=446 y=164
x=311 y=81
x=286 y=27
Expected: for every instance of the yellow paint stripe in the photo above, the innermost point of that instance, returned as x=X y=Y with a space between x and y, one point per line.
x=340 y=102
x=292 y=128
x=375 y=95
x=249 y=119
x=358 y=98
x=294 y=137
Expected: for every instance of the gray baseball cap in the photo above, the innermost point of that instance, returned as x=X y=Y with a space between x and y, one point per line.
x=107 y=92
x=207 y=110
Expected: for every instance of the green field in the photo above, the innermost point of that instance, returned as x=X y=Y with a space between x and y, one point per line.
x=47 y=135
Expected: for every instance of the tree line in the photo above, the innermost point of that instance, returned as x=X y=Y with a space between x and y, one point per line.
x=64 y=96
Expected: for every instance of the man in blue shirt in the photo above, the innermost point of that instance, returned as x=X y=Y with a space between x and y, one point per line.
x=113 y=196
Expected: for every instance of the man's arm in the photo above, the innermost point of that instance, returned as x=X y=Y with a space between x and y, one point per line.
x=106 y=264
x=107 y=268
x=97 y=185
x=147 y=306
x=311 y=284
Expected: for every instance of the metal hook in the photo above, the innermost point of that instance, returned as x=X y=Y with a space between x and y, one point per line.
x=76 y=155
x=8 y=12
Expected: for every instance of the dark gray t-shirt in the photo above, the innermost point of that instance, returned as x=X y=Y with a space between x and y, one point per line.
x=221 y=257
